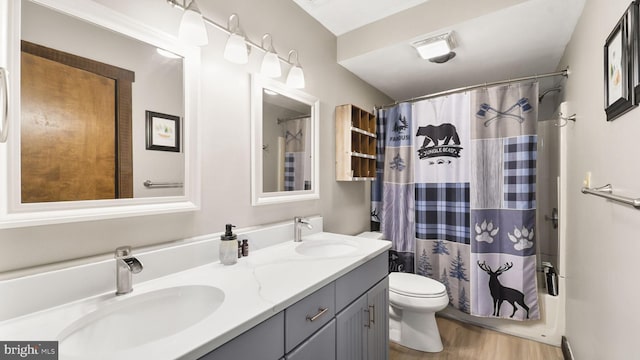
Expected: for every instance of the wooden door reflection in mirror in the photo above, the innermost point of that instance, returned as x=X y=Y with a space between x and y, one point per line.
x=75 y=127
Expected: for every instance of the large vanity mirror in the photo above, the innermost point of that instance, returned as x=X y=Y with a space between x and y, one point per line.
x=103 y=116
x=284 y=126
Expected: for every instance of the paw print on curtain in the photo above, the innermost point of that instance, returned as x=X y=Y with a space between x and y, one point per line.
x=522 y=239
x=485 y=232
x=489 y=238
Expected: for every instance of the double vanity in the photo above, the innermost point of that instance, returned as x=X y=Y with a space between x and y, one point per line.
x=322 y=298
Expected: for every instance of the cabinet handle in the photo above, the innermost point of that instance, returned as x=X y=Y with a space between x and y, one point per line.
x=368 y=311
x=372 y=314
x=315 y=317
x=4 y=125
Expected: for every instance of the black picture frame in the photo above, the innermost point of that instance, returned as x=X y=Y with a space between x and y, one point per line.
x=163 y=131
x=635 y=33
x=620 y=67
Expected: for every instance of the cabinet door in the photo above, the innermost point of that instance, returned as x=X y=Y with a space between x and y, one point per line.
x=263 y=342
x=351 y=333
x=378 y=334
x=320 y=346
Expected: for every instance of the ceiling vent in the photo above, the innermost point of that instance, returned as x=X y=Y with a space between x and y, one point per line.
x=437 y=47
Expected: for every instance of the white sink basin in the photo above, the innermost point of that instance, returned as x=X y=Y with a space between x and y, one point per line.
x=134 y=320
x=326 y=247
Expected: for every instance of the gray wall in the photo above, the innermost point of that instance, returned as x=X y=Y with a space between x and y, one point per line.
x=226 y=140
x=602 y=236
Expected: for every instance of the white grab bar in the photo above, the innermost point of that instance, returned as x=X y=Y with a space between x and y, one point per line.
x=4 y=123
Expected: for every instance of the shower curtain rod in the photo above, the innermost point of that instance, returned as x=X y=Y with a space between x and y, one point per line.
x=281 y=120
x=564 y=73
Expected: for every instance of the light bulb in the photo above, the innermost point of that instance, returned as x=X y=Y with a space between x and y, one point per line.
x=192 y=29
x=236 y=50
x=271 y=65
x=295 y=79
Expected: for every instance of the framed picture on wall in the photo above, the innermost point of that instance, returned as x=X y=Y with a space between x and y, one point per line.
x=163 y=131
x=635 y=51
x=618 y=66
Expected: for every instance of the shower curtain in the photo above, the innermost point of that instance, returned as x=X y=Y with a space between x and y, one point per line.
x=297 y=174
x=455 y=193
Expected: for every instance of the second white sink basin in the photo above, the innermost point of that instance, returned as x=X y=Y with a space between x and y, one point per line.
x=326 y=247
x=134 y=320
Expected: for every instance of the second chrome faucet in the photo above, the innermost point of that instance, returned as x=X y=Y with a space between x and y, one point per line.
x=297 y=227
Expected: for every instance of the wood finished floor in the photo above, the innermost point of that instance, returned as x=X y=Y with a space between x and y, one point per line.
x=463 y=341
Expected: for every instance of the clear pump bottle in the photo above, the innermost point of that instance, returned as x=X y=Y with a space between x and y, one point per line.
x=228 y=246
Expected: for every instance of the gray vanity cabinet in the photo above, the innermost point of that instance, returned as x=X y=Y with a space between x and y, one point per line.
x=264 y=341
x=362 y=328
x=347 y=319
x=320 y=346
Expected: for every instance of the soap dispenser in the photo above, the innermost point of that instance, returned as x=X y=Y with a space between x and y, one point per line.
x=228 y=246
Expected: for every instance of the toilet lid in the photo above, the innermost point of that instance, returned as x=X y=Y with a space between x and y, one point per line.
x=415 y=285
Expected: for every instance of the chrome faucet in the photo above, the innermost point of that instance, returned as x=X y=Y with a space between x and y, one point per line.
x=125 y=266
x=297 y=229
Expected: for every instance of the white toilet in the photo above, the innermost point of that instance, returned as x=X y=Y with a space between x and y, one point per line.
x=413 y=303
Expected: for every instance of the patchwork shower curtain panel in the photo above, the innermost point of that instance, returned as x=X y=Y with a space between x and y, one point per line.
x=455 y=193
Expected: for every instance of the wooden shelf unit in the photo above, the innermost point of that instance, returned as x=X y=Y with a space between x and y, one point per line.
x=355 y=144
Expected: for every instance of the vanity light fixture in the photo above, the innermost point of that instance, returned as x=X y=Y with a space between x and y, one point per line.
x=270 y=63
x=435 y=46
x=192 y=29
x=236 y=49
x=295 y=79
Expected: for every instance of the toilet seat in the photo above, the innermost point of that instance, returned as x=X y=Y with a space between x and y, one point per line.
x=416 y=286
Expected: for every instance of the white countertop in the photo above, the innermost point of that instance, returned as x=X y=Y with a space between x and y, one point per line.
x=256 y=288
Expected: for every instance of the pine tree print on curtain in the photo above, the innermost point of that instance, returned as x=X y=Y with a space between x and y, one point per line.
x=397 y=206
x=442 y=200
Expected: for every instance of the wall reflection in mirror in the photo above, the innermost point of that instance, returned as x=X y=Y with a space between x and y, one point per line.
x=286 y=145
x=84 y=94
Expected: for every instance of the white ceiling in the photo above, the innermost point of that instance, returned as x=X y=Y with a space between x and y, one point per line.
x=512 y=39
x=342 y=16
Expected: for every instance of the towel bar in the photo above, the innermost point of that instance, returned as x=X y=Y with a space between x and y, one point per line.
x=150 y=184
x=606 y=192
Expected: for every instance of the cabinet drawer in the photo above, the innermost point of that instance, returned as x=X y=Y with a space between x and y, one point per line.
x=263 y=341
x=356 y=282
x=308 y=315
x=321 y=346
